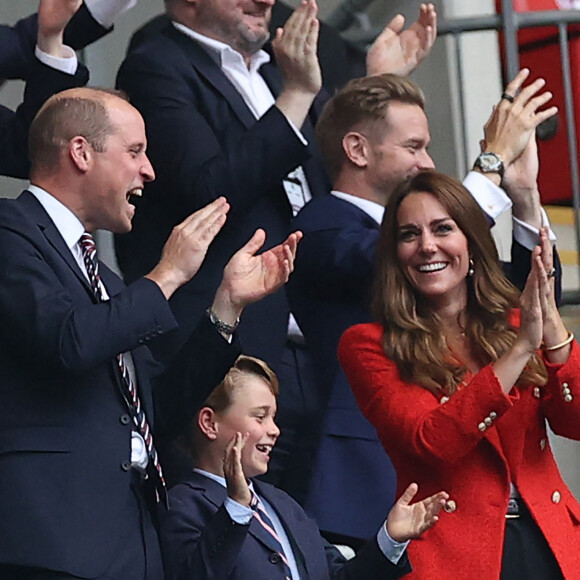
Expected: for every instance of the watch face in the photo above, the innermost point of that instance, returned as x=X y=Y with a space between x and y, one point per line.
x=490 y=163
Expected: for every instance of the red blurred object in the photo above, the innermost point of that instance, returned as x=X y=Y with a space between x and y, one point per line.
x=540 y=52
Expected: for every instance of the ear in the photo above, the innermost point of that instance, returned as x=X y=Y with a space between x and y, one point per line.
x=80 y=153
x=356 y=148
x=207 y=423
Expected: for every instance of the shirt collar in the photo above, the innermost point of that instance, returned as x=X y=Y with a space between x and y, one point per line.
x=66 y=222
x=371 y=208
x=223 y=53
x=219 y=479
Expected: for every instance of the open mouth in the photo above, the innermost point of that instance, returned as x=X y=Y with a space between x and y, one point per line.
x=433 y=267
x=264 y=448
x=136 y=191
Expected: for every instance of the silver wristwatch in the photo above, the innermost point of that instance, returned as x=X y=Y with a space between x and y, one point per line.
x=219 y=324
x=489 y=163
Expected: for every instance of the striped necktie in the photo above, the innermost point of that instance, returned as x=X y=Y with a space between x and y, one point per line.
x=89 y=251
x=265 y=522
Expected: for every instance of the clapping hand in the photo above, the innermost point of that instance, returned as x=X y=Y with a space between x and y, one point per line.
x=53 y=16
x=295 y=48
x=406 y=521
x=540 y=318
x=186 y=247
x=399 y=51
x=236 y=481
x=515 y=118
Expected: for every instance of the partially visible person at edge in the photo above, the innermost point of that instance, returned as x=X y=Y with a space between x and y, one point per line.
x=460 y=383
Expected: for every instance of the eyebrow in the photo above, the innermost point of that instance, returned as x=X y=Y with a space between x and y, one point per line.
x=417 y=141
x=432 y=223
x=262 y=408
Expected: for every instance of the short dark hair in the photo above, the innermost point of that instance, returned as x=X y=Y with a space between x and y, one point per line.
x=65 y=116
x=361 y=103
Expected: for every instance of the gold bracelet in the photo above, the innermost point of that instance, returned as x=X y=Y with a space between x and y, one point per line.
x=561 y=344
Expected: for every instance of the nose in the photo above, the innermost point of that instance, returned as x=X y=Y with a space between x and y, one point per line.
x=425 y=161
x=147 y=171
x=273 y=429
x=427 y=243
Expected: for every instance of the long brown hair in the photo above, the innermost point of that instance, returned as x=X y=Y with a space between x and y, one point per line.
x=413 y=336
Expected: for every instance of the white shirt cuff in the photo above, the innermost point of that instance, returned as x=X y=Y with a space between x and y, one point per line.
x=67 y=64
x=527 y=235
x=492 y=199
x=391 y=549
x=105 y=12
x=239 y=513
x=297 y=131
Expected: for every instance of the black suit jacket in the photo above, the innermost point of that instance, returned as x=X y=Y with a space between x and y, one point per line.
x=201 y=541
x=204 y=142
x=65 y=432
x=17 y=61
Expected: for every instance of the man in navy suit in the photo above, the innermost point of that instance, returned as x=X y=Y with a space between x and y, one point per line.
x=225 y=117
x=39 y=49
x=223 y=525
x=373 y=134
x=80 y=420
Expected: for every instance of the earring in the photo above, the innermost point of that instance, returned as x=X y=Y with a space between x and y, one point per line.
x=471 y=270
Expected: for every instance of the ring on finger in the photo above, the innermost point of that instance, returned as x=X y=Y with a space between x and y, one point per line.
x=507 y=97
x=551 y=273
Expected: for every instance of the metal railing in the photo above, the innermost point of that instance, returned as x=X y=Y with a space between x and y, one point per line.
x=509 y=22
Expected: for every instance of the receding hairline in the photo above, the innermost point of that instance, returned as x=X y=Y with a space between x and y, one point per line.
x=102 y=96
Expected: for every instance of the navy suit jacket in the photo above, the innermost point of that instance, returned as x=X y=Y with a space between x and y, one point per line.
x=14 y=125
x=201 y=541
x=17 y=42
x=353 y=481
x=65 y=432
x=17 y=61
x=204 y=142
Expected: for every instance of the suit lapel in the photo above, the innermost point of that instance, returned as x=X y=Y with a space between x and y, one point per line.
x=209 y=69
x=272 y=76
x=37 y=213
x=216 y=494
x=298 y=530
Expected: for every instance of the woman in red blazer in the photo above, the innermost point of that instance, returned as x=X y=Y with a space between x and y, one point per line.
x=459 y=384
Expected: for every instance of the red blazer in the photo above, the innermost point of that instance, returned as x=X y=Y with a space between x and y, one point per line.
x=472 y=445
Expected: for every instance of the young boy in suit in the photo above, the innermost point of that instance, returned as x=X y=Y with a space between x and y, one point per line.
x=225 y=524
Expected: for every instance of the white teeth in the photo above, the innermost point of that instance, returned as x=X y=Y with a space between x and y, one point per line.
x=138 y=191
x=433 y=267
x=264 y=448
